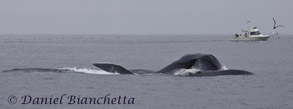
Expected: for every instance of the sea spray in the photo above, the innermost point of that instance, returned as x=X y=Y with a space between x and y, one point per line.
x=88 y=71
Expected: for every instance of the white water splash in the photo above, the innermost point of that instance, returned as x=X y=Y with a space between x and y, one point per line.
x=186 y=72
x=88 y=71
x=224 y=68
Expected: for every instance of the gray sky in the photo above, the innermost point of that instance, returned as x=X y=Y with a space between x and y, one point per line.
x=142 y=16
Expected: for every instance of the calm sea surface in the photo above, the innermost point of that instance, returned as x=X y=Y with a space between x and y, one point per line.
x=271 y=61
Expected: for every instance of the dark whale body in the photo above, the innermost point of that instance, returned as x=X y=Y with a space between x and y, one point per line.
x=190 y=64
x=34 y=70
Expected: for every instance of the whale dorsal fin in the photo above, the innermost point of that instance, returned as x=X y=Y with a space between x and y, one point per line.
x=112 y=68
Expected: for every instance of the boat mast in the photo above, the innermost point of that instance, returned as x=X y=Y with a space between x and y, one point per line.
x=248 y=28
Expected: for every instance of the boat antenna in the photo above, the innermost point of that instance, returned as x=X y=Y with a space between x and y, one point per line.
x=241 y=26
x=248 y=24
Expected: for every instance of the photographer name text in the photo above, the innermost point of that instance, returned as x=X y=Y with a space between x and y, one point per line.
x=73 y=99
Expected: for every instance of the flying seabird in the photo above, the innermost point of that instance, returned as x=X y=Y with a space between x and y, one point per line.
x=275 y=24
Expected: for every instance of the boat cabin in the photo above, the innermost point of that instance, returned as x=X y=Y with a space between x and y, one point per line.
x=254 y=31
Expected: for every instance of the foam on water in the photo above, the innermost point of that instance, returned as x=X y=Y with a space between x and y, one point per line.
x=88 y=71
x=186 y=72
x=224 y=68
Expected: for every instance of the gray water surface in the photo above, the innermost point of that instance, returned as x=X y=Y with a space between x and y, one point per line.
x=271 y=61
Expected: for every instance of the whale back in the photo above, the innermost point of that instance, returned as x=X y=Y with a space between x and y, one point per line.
x=202 y=62
x=112 y=68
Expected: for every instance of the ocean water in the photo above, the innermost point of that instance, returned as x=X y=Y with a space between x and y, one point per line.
x=271 y=61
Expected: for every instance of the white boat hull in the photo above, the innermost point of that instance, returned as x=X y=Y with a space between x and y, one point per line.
x=251 y=38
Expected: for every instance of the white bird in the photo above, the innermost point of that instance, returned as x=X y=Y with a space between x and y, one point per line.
x=275 y=24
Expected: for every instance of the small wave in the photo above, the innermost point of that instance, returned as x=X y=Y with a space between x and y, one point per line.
x=87 y=71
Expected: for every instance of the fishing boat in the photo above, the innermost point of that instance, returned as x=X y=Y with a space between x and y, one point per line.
x=252 y=34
